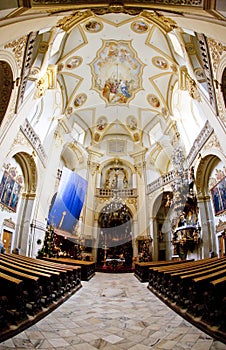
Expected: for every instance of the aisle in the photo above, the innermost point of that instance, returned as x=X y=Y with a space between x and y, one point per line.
x=113 y=311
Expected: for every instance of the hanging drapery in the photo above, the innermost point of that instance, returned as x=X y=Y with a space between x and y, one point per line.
x=68 y=204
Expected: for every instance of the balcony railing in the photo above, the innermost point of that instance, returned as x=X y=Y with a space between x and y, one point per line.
x=160 y=182
x=122 y=193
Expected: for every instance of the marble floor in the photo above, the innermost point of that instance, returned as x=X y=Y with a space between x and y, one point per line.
x=113 y=312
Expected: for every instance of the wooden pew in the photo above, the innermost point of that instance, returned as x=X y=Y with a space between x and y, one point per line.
x=172 y=286
x=158 y=274
x=142 y=269
x=214 y=303
x=196 y=292
x=12 y=305
x=200 y=283
x=37 y=278
x=59 y=287
x=87 y=267
x=32 y=288
x=45 y=279
x=73 y=272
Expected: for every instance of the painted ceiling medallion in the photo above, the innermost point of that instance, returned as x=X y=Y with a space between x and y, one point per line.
x=73 y=62
x=153 y=100
x=93 y=26
x=139 y=27
x=117 y=72
x=101 y=123
x=80 y=100
x=160 y=62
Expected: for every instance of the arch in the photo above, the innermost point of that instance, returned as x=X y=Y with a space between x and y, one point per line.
x=29 y=170
x=6 y=87
x=205 y=165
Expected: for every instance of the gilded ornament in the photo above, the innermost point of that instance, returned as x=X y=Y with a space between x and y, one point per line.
x=69 y=22
x=18 y=47
x=216 y=49
x=164 y=23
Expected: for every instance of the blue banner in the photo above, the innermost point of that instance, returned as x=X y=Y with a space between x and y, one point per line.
x=68 y=204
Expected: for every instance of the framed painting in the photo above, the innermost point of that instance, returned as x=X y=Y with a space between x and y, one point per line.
x=218 y=193
x=9 y=191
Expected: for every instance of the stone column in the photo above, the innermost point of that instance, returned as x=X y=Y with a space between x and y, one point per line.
x=140 y=167
x=154 y=230
x=207 y=225
x=24 y=238
x=95 y=239
x=135 y=234
x=89 y=208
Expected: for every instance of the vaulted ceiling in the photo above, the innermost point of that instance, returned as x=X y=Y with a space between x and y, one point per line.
x=117 y=67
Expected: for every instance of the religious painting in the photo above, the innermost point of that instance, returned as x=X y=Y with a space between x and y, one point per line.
x=80 y=100
x=160 y=62
x=93 y=26
x=153 y=100
x=10 y=188
x=218 y=193
x=73 y=62
x=117 y=72
x=139 y=27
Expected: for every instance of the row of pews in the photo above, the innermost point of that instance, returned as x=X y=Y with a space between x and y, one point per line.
x=196 y=290
x=30 y=289
x=88 y=268
x=141 y=271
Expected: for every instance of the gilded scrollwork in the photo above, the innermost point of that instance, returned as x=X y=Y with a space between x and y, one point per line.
x=69 y=22
x=21 y=140
x=216 y=49
x=18 y=47
x=93 y=167
x=165 y=23
x=212 y=143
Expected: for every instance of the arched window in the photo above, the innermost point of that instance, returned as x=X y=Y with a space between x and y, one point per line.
x=6 y=86
x=224 y=85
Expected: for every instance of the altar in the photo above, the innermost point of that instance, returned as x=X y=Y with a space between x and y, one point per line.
x=115 y=262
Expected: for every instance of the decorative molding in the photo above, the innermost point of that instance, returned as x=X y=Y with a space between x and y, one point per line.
x=69 y=22
x=207 y=68
x=177 y=2
x=27 y=62
x=212 y=143
x=164 y=23
x=189 y=84
x=93 y=167
x=216 y=49
x=34 y=140
x=221 y=226
x=20 y=140
x=199 y=142
x=18 y=47
x=9 y=223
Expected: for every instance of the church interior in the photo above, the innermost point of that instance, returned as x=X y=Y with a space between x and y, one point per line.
x=112 y=163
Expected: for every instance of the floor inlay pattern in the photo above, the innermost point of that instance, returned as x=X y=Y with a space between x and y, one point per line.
x=113 y=312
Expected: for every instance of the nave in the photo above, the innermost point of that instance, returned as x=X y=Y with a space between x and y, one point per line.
x=113 y=312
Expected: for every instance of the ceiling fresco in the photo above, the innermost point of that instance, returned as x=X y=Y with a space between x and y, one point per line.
x=117 y=72
x=117 y=66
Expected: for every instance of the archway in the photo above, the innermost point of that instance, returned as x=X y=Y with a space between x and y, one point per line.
x=115 y=249
x=6 y=86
